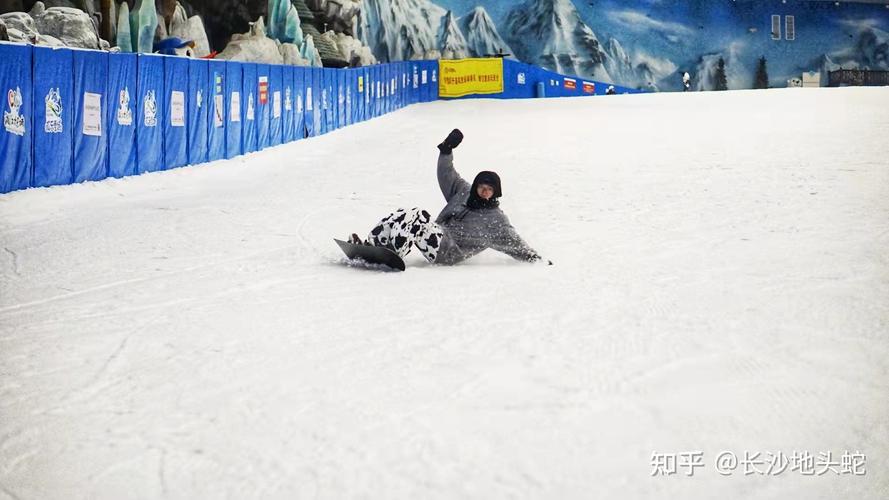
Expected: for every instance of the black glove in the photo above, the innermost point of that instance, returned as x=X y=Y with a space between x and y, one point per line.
x=451 y=141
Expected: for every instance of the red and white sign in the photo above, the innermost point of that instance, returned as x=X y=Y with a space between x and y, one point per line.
x=263 y=90
x=570 y=83
x=589 y=88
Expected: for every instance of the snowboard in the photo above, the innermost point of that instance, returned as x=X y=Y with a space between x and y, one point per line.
x=371 y=255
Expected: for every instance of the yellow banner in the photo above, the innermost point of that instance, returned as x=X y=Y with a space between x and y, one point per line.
x=462 y=77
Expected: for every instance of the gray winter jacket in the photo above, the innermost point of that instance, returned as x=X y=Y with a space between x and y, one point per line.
x=469 y=231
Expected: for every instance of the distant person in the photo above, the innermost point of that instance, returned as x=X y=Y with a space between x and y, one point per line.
x=610 y=90
x=686 y=82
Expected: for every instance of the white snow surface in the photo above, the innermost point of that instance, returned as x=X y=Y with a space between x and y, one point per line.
x=721 y=282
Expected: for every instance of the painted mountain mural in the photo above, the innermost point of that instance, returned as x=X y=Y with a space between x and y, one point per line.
x=644 y=44
x=550 y=33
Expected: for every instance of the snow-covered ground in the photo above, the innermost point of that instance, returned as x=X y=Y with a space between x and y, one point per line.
x=721 y=283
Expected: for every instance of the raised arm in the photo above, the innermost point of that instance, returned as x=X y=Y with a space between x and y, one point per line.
x=449 y=180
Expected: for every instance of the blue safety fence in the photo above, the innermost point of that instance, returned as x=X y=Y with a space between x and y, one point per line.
x=90 y=123
x=176 y=116
x=122 y=117
x=200 y=98
x=54 y=124
x=149 y=113
x=78 y=115
x=249 y=97
x=234 y=76
x=217 y=111
x=263 y=106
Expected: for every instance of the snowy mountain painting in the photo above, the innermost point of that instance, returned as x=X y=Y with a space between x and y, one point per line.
x=636 y=43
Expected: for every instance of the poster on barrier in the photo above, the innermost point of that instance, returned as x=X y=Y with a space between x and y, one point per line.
x=175 y=130
x=288 y=96
x=216 y=115
x=53 y=116
x=361 y=97
x=90 y=140
x=276 y=104
x=299 y=89
x=149 y=108
x=199 y=100
x=464 y=77
x=234 y=136
x=250 y=106
x=121 y=114
x=263 y=106
x=15 y=138
x=415 y=83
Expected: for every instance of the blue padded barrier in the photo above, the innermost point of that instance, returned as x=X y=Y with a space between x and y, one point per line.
x=299 y=90
x=200 y=103
x=150 y=109
x=53 y=117
x=15 y=138
x=216 y=110
x=122 y=116
x=176 y=95
x=235 y=105
x=249 y=93
x=90 y=120
x=263 y=106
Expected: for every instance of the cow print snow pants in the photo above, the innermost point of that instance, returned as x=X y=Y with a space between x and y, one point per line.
x=405 y=228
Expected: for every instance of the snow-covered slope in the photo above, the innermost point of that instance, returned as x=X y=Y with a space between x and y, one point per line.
x=550 y=33
x=481 y=34
x=194 y=334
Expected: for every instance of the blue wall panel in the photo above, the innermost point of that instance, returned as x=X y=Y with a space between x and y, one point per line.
x=217 y=116
x=263 y=106
x=90 y=120
x=200 y=104
x=235 y=103
x=299 y=90
x=250 y=88
x=149 y=108
x=326 y=100
x=15 y=141
x=341 y=97
x=317 y=111
x=53 y=117
x=176 y=122
x=288 y=128
x=276 y=104
x=122 y=116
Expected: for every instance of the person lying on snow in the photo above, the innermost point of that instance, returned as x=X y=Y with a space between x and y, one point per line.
x=470 y=222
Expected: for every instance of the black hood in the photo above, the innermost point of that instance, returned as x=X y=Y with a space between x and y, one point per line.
x=491 y=179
